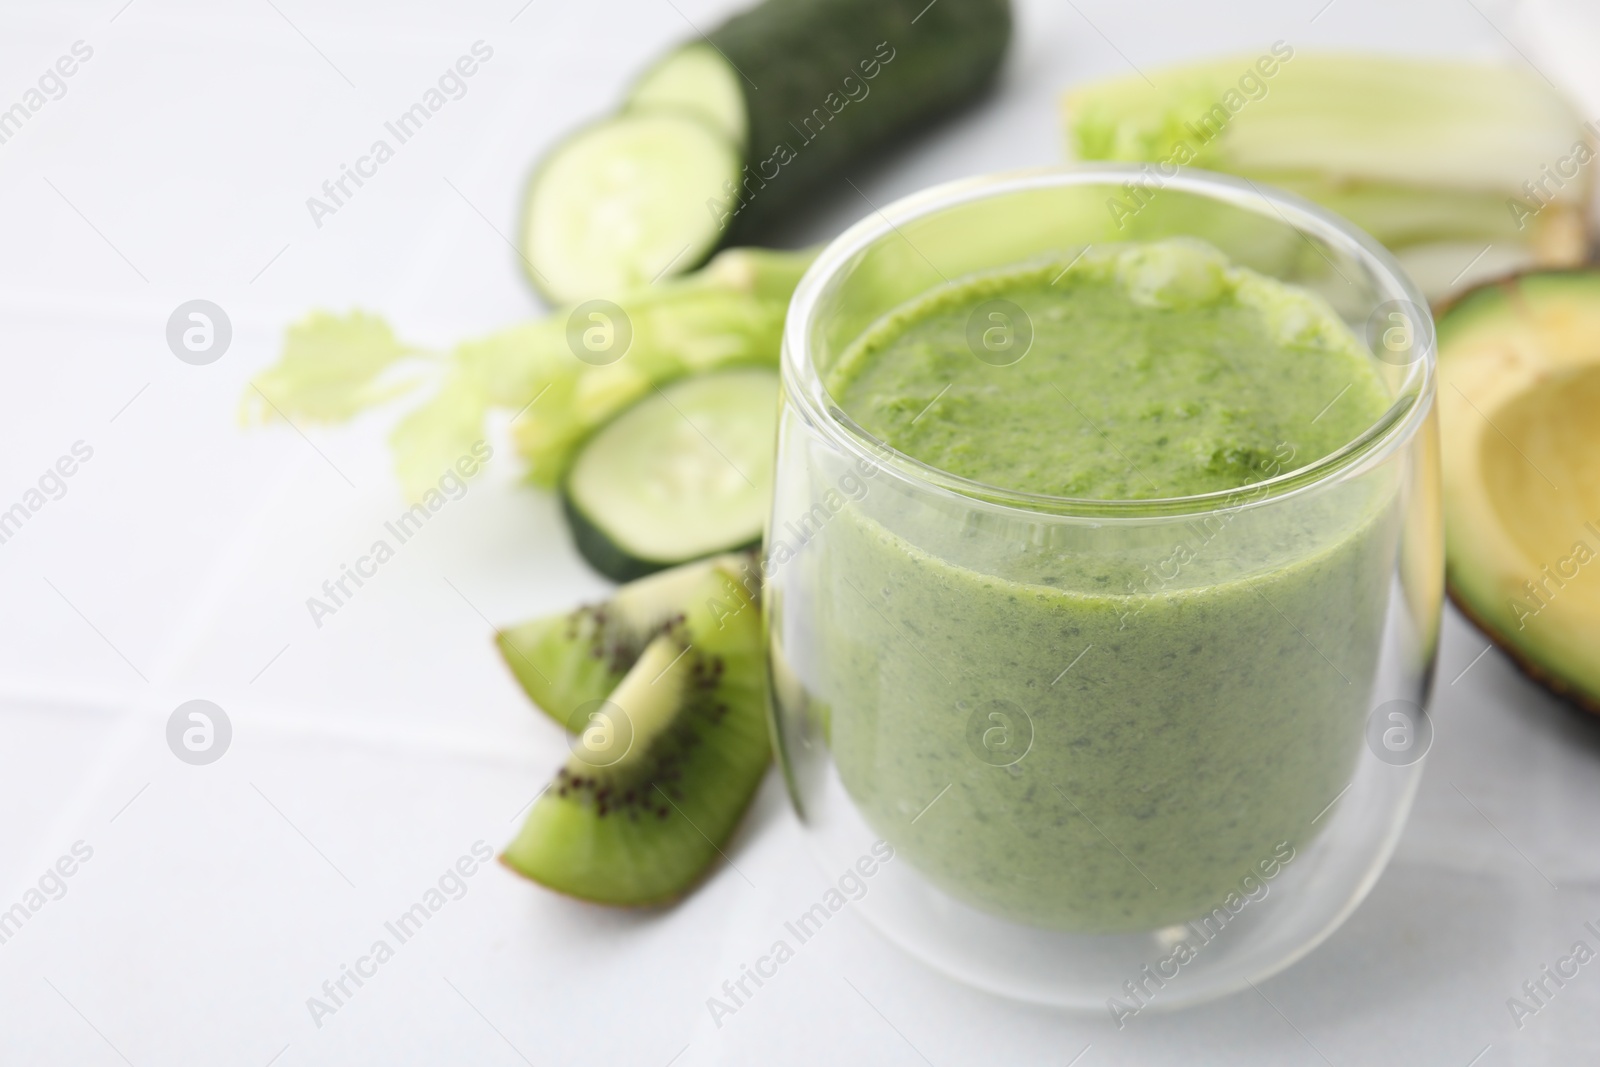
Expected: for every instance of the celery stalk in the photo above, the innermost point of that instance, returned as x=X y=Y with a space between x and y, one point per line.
x=333 y=368
x=1416 y=152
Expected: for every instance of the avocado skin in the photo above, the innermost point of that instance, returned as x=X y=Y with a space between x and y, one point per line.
x=1459 y=314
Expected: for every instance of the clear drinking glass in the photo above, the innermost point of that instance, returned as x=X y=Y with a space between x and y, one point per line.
x=1120 y=755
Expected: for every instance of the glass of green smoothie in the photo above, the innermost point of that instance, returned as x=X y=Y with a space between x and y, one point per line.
x=1104 y=577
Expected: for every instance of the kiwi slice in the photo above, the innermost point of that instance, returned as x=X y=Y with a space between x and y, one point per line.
x=663 y=767
x=567 y=660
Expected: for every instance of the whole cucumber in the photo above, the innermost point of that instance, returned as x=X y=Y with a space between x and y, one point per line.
x=827 y=82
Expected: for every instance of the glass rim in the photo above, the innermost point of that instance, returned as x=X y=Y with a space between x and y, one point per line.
x=1389 y=432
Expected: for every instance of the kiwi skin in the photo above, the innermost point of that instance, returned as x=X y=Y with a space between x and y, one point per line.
x=646 y=830
x=567 y=659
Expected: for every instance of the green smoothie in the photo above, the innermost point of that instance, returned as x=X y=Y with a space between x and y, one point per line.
x=1103 y=727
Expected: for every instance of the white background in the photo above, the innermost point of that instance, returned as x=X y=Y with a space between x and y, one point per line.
x=370 y=754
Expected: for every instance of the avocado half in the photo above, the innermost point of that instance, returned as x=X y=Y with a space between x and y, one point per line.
x=1519 y=411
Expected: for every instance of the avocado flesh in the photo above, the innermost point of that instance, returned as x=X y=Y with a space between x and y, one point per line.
x=1519 y=393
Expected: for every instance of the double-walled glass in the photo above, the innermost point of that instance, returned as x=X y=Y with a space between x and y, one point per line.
x=1127 y=754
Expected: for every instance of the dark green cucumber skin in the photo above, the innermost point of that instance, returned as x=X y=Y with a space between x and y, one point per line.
x=613 y=561
x=793 y=58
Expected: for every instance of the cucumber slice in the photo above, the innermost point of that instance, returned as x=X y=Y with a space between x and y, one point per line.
x=622 y=200
x=696 y=79
x=799 y=90
x=684 y=473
